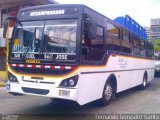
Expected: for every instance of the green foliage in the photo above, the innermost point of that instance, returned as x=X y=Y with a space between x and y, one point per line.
x=156 y=45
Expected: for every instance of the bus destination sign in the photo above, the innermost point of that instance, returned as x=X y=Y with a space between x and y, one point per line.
x=47 y=12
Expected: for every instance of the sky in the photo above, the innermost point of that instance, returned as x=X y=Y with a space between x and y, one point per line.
x=141 y=11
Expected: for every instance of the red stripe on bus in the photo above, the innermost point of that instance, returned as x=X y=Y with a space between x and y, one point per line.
x=17 y=65
x=72 y=67
x=62 y=67
x=52 y=67
x=42 y=66
x=25 y=66
x=33 y=66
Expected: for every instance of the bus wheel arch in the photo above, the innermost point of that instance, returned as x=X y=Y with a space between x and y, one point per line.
x=113 y=80
x=144 y=81
x=146 y=75
x=109 y=90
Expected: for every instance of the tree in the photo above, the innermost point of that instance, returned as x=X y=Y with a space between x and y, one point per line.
x=156 y=45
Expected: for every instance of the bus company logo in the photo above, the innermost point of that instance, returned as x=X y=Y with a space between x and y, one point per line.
x=47 y=12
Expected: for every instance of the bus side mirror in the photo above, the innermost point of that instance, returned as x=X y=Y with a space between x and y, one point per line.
x=5 y=28
x=92 y=28
x=6 y=24
x=3 y=39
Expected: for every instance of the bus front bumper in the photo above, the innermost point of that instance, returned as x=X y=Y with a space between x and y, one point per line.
x=46 y=91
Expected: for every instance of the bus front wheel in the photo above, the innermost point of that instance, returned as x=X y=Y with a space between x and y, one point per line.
x=108 y=93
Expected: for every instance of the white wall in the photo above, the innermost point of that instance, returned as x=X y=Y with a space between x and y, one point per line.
x=10 y=32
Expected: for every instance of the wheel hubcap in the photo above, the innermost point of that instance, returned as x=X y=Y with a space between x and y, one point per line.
x=144 y=82
x=108 y=92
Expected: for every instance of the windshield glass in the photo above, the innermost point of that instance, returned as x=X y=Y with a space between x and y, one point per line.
x=60 y=36
x=28 y=37
x=50 y=40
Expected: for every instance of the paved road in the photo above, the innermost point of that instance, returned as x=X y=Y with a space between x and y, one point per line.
x=130 y=101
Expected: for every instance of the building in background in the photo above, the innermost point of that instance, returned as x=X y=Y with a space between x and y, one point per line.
x=148 y=32
x=11 y=8
x=155 y=29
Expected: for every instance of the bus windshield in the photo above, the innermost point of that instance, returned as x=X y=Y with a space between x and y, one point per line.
x=26 y=38
x=45 y=39
x=60 y=36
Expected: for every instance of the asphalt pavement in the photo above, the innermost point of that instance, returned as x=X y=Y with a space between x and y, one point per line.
x=132 y=101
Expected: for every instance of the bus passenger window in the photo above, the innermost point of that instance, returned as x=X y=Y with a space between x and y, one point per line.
x=142 y=50
x=92 y=49
x=136 y=46
x=112 y=39
x=85 y=40
x=125 y=43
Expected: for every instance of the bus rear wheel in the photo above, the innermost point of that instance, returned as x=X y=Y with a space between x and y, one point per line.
x=144 y=83
x=108 y=94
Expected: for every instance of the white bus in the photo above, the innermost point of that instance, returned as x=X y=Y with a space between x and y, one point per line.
x=74 y=53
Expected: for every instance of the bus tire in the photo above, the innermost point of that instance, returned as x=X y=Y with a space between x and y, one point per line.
x=108 y=93
x=144 y=83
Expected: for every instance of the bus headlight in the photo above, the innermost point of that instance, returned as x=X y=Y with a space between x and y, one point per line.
x=12 y=78
x=69 y=82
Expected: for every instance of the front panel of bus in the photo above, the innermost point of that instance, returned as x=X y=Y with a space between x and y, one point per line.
x=44 y=51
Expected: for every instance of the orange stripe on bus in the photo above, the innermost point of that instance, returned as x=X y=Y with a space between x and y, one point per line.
x=77 y=68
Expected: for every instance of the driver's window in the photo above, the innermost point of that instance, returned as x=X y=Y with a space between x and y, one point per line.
x=92 y=49
x=86 y=42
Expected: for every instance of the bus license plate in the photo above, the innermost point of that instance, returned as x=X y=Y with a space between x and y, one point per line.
x=64 y=93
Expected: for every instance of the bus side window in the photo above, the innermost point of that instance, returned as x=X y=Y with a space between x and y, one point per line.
x=152 y=50
x=126 y=42
x=86 y=42
x=136 y=46
x=142 y=49
x=148 y=49
x=112 y=39
x=92 y=49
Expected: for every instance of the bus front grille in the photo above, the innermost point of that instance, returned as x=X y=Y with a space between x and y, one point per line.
x=35 y=91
